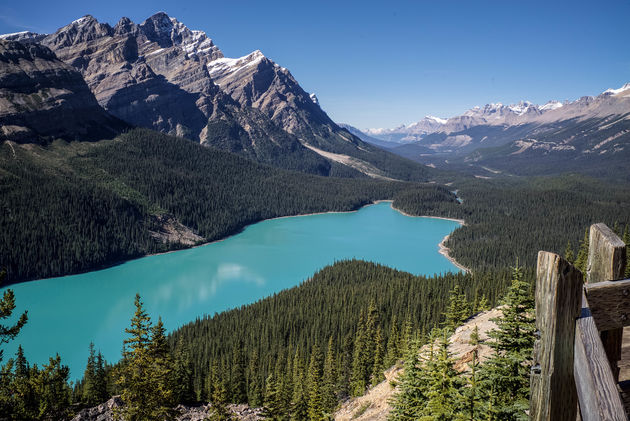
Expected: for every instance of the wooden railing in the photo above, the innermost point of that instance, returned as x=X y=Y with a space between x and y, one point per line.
x=579 y=325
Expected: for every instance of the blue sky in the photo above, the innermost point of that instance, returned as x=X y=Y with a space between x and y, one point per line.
x=380 y=64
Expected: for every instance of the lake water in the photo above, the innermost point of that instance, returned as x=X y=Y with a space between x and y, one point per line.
x=66 y=313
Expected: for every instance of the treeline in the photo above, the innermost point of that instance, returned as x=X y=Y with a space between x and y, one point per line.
x=506 y=219
x=69 y=208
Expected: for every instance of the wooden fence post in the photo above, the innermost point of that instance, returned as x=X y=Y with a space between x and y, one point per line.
x=558 y=304
x=607 y=262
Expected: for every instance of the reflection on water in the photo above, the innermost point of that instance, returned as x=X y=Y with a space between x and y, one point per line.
x=66 y=313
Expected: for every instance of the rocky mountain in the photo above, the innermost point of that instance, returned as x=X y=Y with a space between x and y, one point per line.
x=42 y=98
x=610 y=102
x=409 y=133
x=366 y=137
x=590 y=134
x=161 y=75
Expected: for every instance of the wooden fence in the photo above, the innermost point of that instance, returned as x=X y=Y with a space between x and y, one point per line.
x=579 y=325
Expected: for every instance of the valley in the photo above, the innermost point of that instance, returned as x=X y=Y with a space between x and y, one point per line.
x=285 y=265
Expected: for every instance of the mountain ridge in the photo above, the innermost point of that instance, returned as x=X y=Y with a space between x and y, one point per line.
x=161 y=75
x=498 y=114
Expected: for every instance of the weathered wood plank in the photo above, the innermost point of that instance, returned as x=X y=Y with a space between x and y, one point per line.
x=596 y=388
x=606 y=255
x=558 y=303
x=609 y=302
x=607 y=262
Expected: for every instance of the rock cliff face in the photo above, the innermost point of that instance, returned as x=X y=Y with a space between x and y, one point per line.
x=43 y=98
x=142 y=73
x=161 y=75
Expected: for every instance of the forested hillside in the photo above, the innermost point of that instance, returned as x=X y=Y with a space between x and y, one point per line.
x=512 y=218
x=99 y=203
x=354 y=319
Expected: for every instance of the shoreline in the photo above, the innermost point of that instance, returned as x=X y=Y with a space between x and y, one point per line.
x=443 y=250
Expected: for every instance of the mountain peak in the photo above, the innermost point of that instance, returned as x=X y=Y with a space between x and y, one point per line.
x=617 y=91
x=84 y=20
x=436 y=119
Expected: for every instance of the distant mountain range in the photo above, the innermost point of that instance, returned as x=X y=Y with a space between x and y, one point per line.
x=590 y=134
x=161 y=75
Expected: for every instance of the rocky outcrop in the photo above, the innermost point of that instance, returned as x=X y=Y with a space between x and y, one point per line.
x=43 y=98
x=105 y=412
x=375 y=405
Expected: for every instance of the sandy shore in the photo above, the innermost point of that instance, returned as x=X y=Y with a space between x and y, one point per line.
x=445 y=251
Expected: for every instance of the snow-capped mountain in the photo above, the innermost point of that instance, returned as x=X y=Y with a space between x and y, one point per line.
x=409 y=133
x=609 y=102
x=590 y=134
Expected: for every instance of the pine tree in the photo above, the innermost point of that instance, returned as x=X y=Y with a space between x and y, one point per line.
x=411 y=398
x=457 y=310
x=254 y=384
x=392 y=344
x=219 y=400
x=358 y=382
x=273 y=409
x=144 y=372
x=287 y=384
x=100 y=380
x=377 y=367
x=162 y=396
x=238 y=385
x=472 y=402
x=329 y=395
x=7 y=306
x=582 y=256
x=316 y=410
x=299 y=405
x=90 y=397
x=22 y=401
x=474 y=336
x=484 y=304
x=505 y=376
x=444 y=384
x=183 y=385
x=51 y=389
x=406 y=338
x=568 y=252
x=616 y=229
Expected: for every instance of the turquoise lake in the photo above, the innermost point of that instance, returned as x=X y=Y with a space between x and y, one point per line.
x=67 y=313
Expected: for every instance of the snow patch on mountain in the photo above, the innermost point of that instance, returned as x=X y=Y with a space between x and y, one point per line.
x=617 y=91
x=436 y=119
x=222 y=66
x=551 y=105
